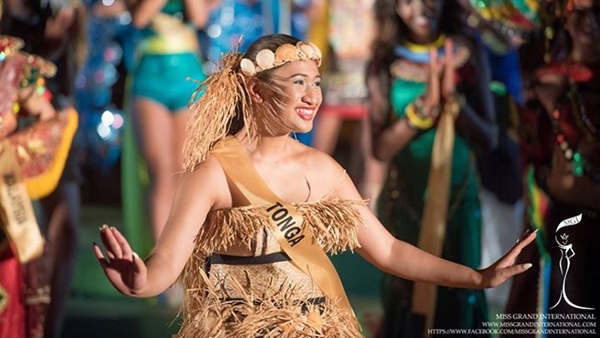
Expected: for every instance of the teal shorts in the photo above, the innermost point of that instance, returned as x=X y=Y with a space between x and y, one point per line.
x=163 y=78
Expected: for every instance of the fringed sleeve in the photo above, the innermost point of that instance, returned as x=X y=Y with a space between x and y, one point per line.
x=334 y=223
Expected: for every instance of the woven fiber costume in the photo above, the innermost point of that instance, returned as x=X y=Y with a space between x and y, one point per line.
x=259 y=269
x=239 y=279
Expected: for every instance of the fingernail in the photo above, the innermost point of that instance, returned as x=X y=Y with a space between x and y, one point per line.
x=528 y=265
x=135 y=255
x=103 y=227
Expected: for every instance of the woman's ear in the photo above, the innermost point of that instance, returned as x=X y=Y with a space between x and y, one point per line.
x=254 y=89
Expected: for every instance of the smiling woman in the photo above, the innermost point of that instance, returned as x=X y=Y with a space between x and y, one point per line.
x=283 y=76
x=432 y=115
x=300 y=85
x=248 y=238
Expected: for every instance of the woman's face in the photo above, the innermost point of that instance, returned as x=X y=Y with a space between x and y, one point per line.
x=583 y=22
x=421 y=17
x=300 y=82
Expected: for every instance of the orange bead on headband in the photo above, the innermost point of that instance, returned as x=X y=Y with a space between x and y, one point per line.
x=266 y=59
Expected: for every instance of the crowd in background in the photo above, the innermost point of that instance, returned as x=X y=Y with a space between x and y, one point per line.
x=523 y=152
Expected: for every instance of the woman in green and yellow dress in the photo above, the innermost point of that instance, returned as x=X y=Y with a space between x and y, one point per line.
x=423 y=63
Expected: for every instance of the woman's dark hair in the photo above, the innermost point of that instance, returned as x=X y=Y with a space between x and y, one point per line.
x=271 y=42
x=391 y=30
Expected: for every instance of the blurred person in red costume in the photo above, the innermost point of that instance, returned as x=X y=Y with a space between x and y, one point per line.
x=34 y=142
x=52 y=30
x=560 y=138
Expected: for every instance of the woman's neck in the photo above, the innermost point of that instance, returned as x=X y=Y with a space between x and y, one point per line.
x=586 y=54
x=418 y=53
x=436 y=42
x=270 y=148
x=424 y=40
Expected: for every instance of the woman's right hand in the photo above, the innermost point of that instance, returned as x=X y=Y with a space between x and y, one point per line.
x=441 y=81
x=432 y=95
x=124 y=268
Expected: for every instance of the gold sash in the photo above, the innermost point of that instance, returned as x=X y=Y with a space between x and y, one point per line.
x=297 y=242
x=17 y=218
x=433 y=224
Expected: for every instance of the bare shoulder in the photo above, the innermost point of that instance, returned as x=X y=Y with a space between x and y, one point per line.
x=323 y=171
x=548 y=89
x=208 y=179
x=322 y=162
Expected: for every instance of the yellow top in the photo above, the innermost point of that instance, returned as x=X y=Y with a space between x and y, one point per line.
x=171 y=36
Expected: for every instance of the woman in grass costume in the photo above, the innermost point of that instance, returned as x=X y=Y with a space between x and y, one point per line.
x=257 y=211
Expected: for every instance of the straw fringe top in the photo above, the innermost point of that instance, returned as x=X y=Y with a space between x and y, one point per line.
x=333 y=222
x=284 y=310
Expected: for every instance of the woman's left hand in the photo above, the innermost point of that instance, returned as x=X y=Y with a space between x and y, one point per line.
x=504 y=268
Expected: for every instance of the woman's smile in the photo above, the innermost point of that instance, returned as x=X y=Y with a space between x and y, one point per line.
x=306 y=113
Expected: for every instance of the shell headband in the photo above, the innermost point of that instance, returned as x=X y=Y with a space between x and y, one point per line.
x=266 y=59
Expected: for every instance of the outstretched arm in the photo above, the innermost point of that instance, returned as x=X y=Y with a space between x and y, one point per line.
x=199 y=192
x=402 y=259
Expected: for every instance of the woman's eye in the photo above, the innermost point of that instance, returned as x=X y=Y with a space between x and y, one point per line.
x=317 y=84
x=299 y=81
